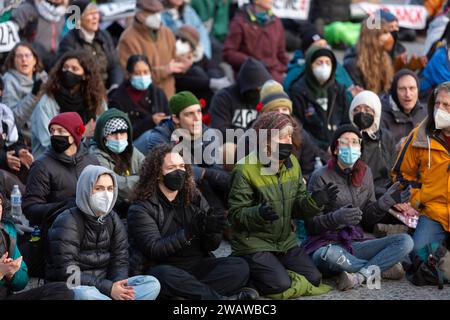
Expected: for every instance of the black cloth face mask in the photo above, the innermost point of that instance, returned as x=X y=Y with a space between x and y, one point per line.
x=174 y=180
x=363 y=120
x=60 y=143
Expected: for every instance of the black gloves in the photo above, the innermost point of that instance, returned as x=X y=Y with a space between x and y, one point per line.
x=36 y=86
x=325 y=196
x=215 y=222
x=347 y=216
x=197 y=225
x=267 y=213
x=206 y=223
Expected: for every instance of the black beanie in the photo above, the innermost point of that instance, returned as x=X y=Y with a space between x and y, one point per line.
x=82 y=4
x=397 y=77
x=341 y=130
x=309 y=35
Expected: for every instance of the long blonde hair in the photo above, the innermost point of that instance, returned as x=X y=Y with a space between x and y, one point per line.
x=374 y=62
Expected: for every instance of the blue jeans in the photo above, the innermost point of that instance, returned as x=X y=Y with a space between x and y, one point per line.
x=145 y=288
x=384 y=253
x=427 y=231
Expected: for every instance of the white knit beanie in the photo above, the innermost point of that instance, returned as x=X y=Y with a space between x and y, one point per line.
x=370 y=99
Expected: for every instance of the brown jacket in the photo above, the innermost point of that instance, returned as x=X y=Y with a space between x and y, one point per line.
x=136 y=39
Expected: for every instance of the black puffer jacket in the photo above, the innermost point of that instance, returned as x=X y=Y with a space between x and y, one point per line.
x=148 y=247
x=101 y=256
x=52 y=182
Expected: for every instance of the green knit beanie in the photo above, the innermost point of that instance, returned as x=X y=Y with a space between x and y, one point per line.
x=181 y=101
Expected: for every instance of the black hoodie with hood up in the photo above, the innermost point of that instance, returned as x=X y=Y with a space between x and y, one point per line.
x=319 y=123
x=232 y=107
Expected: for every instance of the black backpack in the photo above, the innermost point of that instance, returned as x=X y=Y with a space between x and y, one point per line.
x=36 y=253
x=429 y=271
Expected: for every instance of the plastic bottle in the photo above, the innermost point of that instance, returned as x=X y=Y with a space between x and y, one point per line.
x=16 y=207
x=36 y=234
x=317 y=163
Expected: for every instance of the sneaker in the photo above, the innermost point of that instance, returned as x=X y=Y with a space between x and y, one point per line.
x=245 y=293
x=349 y=281
x=396 y=272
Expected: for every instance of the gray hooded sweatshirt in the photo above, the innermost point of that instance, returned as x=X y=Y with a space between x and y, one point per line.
x=85 y=184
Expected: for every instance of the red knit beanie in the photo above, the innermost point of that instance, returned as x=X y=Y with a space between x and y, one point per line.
x=72 y=122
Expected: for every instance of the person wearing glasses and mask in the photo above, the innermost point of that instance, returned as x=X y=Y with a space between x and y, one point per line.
x=336 y=240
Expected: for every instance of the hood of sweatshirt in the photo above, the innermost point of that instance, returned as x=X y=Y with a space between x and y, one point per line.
x=85 y=185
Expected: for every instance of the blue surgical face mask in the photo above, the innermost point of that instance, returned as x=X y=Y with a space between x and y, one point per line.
x=141 y=82
x=349 y=155
x=117 y=146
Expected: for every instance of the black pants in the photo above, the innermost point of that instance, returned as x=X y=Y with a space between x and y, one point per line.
x=268 y=269
x=211 y=279
x=49 y=291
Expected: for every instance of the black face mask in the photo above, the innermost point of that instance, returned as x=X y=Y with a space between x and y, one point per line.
x=60 y=143
x=251 y=97
x=70 y=79
x=174 y=180
x=284 y=150
x=363 y=120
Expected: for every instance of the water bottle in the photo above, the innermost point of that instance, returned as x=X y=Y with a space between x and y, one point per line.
x=36 y=234
x=16 y=207
x=317 y=163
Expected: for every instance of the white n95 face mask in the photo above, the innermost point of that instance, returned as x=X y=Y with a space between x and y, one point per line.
x=153 y=21
x=322 y=72
x=441 y=119
x=101 y=202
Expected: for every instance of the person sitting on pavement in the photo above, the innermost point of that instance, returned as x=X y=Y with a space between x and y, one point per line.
x=145 y=103
x=91 y=238
x=13 y=270
x=264 y=197
x=113 y=148
x=235 y=107
x=172 y=231
x=186 y=130
x=319 y=102
x=336 y=240
x=423 y=164
x=51 y=184
x=379 y=146
x=402 y=110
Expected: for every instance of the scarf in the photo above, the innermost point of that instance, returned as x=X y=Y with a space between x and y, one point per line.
x=87 y=36
x=73 y=103
x=49 y=11
x=8 y=129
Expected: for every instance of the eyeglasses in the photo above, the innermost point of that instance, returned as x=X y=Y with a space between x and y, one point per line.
x=21 y=56
x=347 y=142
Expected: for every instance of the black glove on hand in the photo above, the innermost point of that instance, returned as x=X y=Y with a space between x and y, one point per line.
x=197 y=225
x=325 y=196
x=215 y=222
x=36 y=86
x=218 y=176
x=347 y=216
x=267 y=213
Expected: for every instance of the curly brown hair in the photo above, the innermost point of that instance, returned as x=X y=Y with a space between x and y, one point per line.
x=151 y=175
x=373 y=61
x=92 y=88
x=10 y=62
